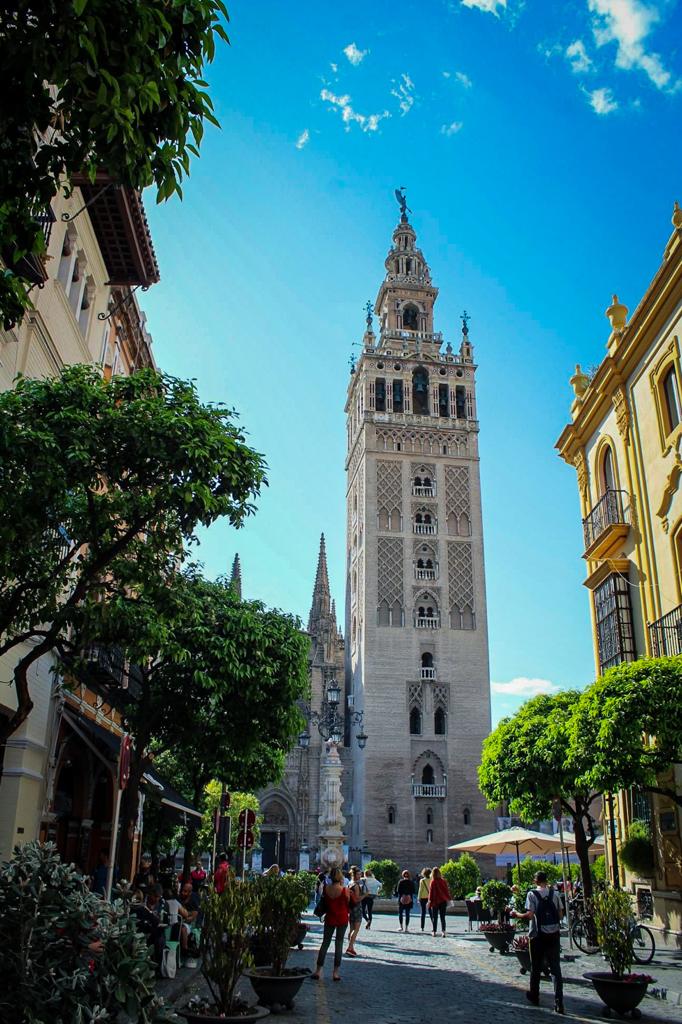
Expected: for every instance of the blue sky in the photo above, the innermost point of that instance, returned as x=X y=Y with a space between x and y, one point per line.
x=540 y=147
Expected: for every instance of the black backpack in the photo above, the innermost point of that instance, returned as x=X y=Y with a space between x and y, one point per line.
x=546 y=912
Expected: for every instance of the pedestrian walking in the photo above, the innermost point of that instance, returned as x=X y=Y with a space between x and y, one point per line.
x=405 y=893
x=544 y=910
x=423 y=894
x=371 y=886
x=354 y=909
x=336 y=897
x=439 y=897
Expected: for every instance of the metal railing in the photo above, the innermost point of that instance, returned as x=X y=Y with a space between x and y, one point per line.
x=422 y=789
x=611 y=510
x=428 y=673
x=665 y=635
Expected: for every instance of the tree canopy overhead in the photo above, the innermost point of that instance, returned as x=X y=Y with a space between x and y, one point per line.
x=96 y=86
x=102 y=484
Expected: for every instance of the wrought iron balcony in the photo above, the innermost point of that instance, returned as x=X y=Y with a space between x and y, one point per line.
x=428 y=673
x=427 y=622
x=607 y=525
x=423 y=492
x=438 y=792
x=425 y=574
x=665 y=635
x=424 y=527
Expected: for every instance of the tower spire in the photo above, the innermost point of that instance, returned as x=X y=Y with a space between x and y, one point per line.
x=321 y=603
x=236 y=577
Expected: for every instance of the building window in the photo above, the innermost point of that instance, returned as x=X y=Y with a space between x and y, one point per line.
x=420 y=391
x=672 y=399
x=613 y=613
x=677 y=548
x=608 y=476
x=428 y=778
x=391 y=815
x=429 y=835
x=641 y=806
x=439 y=722
x=443 y=400
x=411 y=318
x=380 y=394
x=461 y=402
x=398 y=405
x=429 y=815
x=415 y=722
x=467 y=816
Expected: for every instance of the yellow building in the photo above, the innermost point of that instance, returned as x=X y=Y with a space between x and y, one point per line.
x=625 y=442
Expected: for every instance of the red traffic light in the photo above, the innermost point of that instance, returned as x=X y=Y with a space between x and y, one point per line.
x=247 y=839
x=225 y=802
x=247 y=818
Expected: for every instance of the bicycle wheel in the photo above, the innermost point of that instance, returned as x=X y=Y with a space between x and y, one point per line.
x=582 y=934
x=643 y=944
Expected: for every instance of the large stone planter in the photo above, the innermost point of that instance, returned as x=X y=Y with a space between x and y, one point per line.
x=618 y=994
x=277 y=990
x=499 y=940
x=253 y=1014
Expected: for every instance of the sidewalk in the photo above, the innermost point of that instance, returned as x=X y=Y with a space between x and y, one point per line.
x=413 y=978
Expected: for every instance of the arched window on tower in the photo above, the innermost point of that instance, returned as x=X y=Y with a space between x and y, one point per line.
x=428 y=778
x=672 y=399
x=467 y=816
x=429 y=815
x=429 y=835
x=608 y=476
x=391 y=815
x=410 y=317
x=439 y=722
x=415 y=722
x=420 y=391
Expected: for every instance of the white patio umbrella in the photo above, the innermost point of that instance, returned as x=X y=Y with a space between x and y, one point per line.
x=511 y=840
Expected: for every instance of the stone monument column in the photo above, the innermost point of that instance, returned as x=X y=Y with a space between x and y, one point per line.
x=331 y=818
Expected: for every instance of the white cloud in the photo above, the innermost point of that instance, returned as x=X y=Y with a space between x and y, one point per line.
x=628 y=23
x=602 y=101
x=523 y=687
x=446 y=74
x=334 y=67
x=463 y=79
x=490 y=6
x=355 y=56
x=303 y=138
x=367 y=122
x=578 y=57
x=404 y=93
x=452 y=128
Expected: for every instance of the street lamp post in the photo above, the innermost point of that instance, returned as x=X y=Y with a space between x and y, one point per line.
x=330 y=725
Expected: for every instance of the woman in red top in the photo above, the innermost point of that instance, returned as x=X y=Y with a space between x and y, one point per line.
x=439 y=897
x=335 y=922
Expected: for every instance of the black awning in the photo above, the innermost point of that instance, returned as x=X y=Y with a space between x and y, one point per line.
x=105 y=743
x=173 y=802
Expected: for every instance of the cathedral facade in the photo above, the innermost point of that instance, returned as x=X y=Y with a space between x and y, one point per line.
x=416 y=627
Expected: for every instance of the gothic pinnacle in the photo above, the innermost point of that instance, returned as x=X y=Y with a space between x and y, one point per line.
x=236 y=577
x=321 y=596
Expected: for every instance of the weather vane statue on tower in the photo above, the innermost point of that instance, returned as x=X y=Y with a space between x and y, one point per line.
x=402 y=202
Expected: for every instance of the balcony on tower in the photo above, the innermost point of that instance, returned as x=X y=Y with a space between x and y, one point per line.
x=426 y=616
x=428 y=669
x=607 y=524
x=423 y=487
x=425 y=523
x=428 y=787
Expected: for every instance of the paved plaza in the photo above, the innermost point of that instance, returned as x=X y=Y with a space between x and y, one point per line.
x=414 y=978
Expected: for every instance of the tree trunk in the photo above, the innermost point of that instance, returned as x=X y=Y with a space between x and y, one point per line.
x=582 y=849
x=129 y=812
x=191 y=833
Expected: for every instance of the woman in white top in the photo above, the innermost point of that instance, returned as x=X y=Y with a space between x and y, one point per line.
x=370 y=887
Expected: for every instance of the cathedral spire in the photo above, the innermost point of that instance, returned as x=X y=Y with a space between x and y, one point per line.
x=321 y=604
x=236 y=577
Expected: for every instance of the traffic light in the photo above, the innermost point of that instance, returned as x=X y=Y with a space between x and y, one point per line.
x=223 y=823
x=247 y=819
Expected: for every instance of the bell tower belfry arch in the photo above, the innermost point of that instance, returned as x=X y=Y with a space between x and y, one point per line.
x=416 y=630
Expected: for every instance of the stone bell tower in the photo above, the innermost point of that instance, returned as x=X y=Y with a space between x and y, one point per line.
x=416 y=631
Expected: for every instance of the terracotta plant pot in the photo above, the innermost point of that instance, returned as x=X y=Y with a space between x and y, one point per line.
x=277 y=990
x=253 y=1014
x=619 y=994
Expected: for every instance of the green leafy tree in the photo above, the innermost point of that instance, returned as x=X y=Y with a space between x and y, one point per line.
x=238 y=802
x=599 y=869
x=388 y=873
x=96 y=87
x=627 y=728
x=67 y=955
x=462 y=875
x=496 y=896
x=612 y=914
x=526 y=763
x=637 y=852
x=220 y=678
x=529 y=868
x=102 y=485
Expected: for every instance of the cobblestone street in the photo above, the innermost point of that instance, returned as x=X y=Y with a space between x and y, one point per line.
x=414 y=978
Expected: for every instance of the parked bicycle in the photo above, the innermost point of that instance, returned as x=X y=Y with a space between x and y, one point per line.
x=584 y=934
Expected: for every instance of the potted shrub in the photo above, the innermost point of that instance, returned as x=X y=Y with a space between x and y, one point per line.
x=496 y=896
x=281 y=901
x=229 y=918
x=68 y=955
x=620 y=990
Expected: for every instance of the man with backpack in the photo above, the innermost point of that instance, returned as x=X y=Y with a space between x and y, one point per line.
x=544 y=911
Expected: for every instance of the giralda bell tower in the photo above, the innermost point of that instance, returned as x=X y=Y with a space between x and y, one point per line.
x=416 y=608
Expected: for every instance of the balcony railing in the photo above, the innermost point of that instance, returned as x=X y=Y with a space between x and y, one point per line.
x=423 y=492
x=665 y=635
x=438 y=792
x=428 y=673
x=427 y=622
x=424 y=527
x=425 y=574
x=611 y=515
